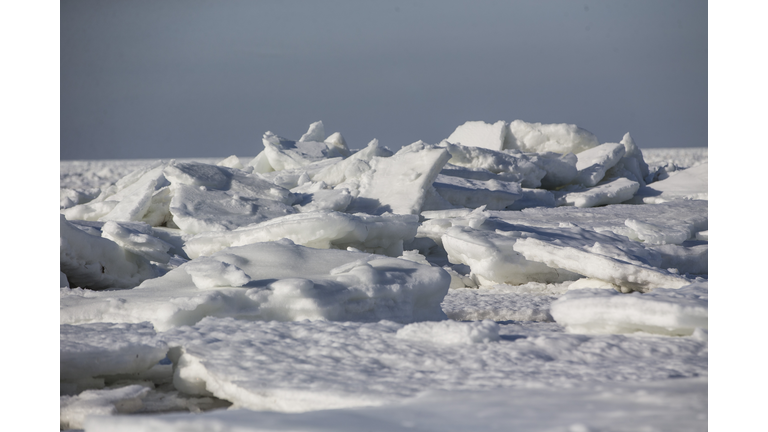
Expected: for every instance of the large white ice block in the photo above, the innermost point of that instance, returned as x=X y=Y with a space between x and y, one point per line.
x=593 y=163
x=557 y=137
x=272 y=281
x=383 y=234
x=134 y=197
x=676 y=312
x=95 y=262
x=598 y=262
x=667 y=219
x=480 y=134
x=613 y=191
x=493 y=260
x=399 y=184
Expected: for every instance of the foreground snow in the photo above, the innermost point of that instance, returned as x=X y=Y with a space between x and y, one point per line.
x=516 y=274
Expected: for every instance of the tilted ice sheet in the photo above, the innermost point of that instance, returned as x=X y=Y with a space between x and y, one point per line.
x=493 y=194
x=383 y=234
x=663 y=311
x=131 y=198
x=272 y=281
x=399 y=184
x=216 y=198
x=492 y=259
x=670 y=217
x=673 y=405
x=593 y=163
x=344 y=364
x=623 y=271
x=91 y=350
x=495 y=257
x=691 y=183
x=611 y=191
x=89 y=260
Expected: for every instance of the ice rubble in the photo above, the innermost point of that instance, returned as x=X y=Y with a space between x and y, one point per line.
x=524 y=222
x=272 y=281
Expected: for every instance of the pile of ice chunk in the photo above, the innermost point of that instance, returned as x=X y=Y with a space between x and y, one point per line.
x=314 y=276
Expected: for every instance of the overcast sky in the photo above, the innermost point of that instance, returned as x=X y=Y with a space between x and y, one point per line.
x=188 y=78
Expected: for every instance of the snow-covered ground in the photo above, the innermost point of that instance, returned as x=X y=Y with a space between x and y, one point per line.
x=516 y=276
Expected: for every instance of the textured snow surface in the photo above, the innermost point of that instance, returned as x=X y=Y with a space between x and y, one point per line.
x=516 y=276
x=621 y=407
x=343 y=364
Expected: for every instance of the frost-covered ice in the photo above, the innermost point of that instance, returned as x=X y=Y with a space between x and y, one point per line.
x=525 y=268
x=100 y=349
x=626 y=407
x=664 y=311
x=271 y=281
x=335 y=365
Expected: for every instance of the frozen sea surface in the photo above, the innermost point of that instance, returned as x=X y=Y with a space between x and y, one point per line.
x=517 y=276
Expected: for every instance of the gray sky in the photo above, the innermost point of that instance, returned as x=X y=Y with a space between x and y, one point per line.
x=162 y=78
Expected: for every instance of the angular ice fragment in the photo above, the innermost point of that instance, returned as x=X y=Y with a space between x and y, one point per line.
x=632 y=165
x=629 y=276
x=593 y=163
x=127 y=200
x=281 y=153
x=214 y=198
x=316 y=132
x=231 y=162
x=560 y=168
x=98 y=263
x=493 y=260
x=494 y=194
x=557 y=137
x=380 y=234
x=610 y=192
x=399 y=184
x=137 y=238
x=510 y=166
x=480 y=134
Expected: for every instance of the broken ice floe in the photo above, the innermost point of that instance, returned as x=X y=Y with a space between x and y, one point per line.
x=335 y=365
x=272 y=281
x=317 y=277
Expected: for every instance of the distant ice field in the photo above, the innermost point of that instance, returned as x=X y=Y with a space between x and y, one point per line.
x=515 y=276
